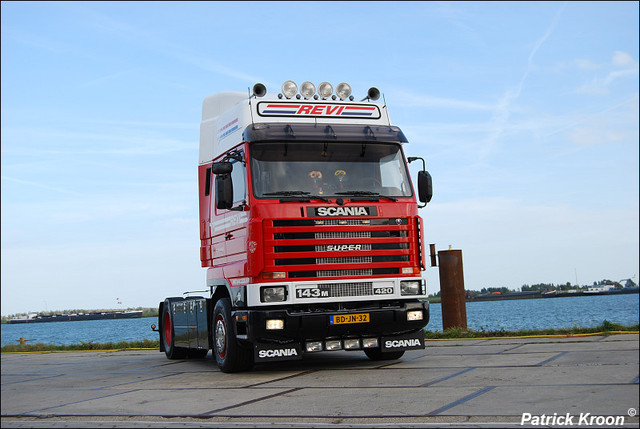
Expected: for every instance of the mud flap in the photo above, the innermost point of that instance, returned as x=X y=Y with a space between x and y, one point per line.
x=277 y=352
x=414 y=341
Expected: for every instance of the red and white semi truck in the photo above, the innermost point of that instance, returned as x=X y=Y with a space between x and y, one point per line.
x=309 y=231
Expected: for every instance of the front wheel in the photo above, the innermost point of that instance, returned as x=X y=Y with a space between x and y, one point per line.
x=230 y=355
x=376 y=354
x=168 y=335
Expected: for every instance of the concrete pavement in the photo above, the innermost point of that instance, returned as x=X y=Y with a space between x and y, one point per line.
x=586 y=381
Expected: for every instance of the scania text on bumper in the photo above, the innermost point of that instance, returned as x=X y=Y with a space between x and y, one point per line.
x=294 y=351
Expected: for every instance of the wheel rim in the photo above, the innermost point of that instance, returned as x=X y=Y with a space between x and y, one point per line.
x=221 y=337
x=167 y=328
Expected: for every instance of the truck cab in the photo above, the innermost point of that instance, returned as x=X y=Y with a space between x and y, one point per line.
x=309 y=231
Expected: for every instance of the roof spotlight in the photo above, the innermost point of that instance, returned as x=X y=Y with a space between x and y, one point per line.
x=325 y=90
x=259 y=90
x=307 y=90
x=343 y=90
x=289 y=89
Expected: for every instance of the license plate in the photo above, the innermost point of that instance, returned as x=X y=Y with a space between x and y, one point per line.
x=342 y=319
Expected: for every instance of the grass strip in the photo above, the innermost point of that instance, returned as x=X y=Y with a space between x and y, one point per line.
x=606 y=328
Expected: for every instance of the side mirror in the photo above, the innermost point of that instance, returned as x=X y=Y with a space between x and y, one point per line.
x=224 y=192
x=221 y=168
x=425 y=187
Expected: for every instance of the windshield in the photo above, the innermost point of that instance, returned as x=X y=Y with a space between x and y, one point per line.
x=328 y=169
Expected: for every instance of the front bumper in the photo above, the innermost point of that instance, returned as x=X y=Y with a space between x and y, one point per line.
x=387 y=321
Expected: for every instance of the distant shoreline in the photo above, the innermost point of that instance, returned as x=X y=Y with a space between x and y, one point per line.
x=551 y=294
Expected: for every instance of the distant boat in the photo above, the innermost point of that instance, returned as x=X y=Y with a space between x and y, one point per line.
x=105 y=315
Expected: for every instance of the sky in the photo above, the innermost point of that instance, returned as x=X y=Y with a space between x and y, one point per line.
x=525 y=112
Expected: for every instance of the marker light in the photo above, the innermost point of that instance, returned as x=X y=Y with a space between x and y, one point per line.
x=307 y=90
x=343 y=90
x=289 y=88
x=275 y=275
x=325 y=90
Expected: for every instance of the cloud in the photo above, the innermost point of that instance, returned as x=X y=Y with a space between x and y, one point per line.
x=503 y=107
x=586 y=65
x=622 y=65
x=622 y=59
x=41 y=185
x=412 y=100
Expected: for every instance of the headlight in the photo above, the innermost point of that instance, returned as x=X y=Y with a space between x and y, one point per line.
x=307 y=90
x=289 y=88
x=411 y=287
x=273 y=294
x=325 y=90
x=343 y=90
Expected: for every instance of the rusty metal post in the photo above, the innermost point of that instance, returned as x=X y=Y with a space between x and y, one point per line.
x=452 y=294
x=432 y=254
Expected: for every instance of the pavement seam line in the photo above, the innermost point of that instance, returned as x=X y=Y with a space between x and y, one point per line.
x=251 y=401
x=461 y=400
x=448 y=377
x=26 y=413
x=310 y=371
x=551 y=359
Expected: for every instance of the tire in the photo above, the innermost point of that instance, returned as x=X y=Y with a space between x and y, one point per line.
x=229 y=354
x=376 y=354
x=168 y=336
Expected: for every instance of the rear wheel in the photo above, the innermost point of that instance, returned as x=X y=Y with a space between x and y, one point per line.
x=168 y=337
x=230 y=355
x=377 y=354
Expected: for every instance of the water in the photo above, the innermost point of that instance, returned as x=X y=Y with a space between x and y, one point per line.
x=96 y=331
x=545 y=313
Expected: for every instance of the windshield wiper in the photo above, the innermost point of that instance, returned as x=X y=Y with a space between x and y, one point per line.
x=365 y=194
x=287 y=193
x=297 y=196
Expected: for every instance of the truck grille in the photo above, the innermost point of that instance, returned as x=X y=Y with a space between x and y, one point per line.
x=337 y=247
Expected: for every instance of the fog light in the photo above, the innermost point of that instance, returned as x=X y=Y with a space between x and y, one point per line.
x=332 y=345
x=369 y=343
x=314 y=346
x=275 y=324
x=414 y=315
x=411 y=287
x=351 y=343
